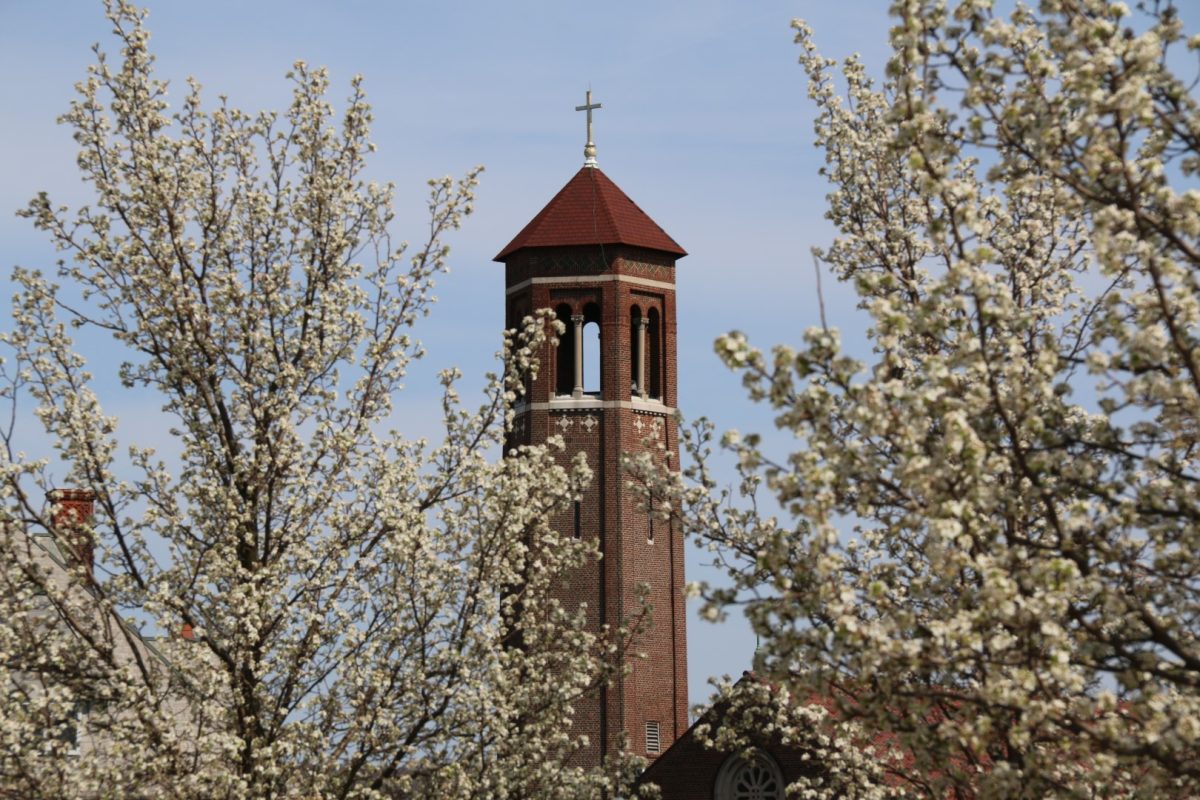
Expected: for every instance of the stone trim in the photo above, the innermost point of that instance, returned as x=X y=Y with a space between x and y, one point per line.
x=573 y=280
x=587 y=403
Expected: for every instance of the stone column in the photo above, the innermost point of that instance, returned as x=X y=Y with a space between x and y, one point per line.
x=578 y=320
x=642 y=324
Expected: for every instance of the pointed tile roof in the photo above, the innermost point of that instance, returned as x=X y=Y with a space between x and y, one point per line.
x=591 y=209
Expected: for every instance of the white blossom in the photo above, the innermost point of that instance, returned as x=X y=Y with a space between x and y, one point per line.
x=992 y=544
x=368 y=616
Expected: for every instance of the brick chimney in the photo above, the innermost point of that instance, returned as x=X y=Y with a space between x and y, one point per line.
x=73 y=509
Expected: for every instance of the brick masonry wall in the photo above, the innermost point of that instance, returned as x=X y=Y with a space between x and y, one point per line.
x=655 y=690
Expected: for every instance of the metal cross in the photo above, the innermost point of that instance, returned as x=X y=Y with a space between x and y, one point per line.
x=589 y=149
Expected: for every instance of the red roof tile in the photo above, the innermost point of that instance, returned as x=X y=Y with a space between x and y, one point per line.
x=591 y=209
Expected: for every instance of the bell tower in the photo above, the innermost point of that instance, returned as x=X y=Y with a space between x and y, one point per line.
x=607 y=388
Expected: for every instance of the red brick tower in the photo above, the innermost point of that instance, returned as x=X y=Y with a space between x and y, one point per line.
x=608 y=271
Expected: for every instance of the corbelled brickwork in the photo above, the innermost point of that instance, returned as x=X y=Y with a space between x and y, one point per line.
x=601 y=263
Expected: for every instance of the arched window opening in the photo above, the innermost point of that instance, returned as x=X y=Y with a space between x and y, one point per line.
x=518 y=310
x=754 y=776
x=591 y=358
x=564 y=370
x=654 y=367
x=592 y=364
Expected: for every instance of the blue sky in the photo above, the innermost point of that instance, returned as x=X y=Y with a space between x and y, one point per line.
x=705 y=125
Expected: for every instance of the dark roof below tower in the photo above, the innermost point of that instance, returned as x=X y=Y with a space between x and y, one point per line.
x=591 y=209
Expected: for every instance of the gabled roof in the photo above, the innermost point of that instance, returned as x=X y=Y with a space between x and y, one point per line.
x=591 y=209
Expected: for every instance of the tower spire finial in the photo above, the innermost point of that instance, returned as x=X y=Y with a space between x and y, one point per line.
x=589 y=149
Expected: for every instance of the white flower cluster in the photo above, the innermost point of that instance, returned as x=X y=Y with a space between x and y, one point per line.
x=839 y=760
x=994 y=550
x=343 y=612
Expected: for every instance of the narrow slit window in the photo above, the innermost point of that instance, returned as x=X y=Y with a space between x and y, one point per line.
x=578 y=519
x=655 y=358
x=564 y=376
x=592 y=375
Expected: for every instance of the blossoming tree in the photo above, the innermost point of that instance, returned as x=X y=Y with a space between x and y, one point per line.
x=337 y=611
x=993 y=553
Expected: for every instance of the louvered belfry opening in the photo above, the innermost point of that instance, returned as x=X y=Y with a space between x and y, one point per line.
x=653 y=738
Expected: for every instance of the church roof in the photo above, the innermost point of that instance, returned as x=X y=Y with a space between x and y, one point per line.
x=591 y=209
